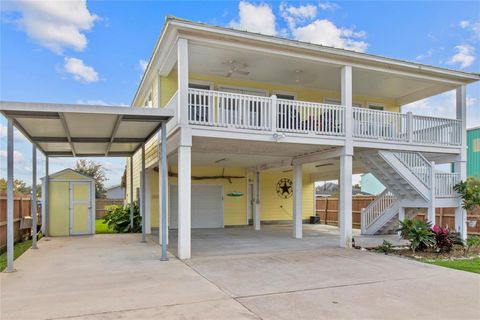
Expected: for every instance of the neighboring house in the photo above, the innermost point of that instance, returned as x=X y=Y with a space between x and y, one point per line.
x=259 y=119
x=370 y=184
x=115 y=192
x=473 y=152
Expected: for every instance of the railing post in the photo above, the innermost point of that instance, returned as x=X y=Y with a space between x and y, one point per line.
x=409 y=127
x=431 y=208
x=273 y=113
x=363 y=222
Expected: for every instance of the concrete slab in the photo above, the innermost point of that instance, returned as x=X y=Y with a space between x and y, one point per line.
x=271 y=238
x=77 y=276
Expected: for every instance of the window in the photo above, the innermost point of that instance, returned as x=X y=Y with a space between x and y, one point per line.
x=148 y=101
x=375 y=106
x=476 y=145
x=338 y=103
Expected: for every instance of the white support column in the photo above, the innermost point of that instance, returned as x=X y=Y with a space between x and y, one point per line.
x=10 y=202
x=184 y=194
x=148 y=203
x=346 y=159
x=401 y=215
x=46 y=199
x=256 y=193
x=182 y=69
x=142 y=194
x=297 y=201
x=131 y=192
x=34 y=197
x=461 y=166
x=432 y=203
x=163 y=186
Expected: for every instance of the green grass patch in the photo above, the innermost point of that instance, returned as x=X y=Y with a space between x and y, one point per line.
x=469 y=265
x=101 y=227
x=18 y=250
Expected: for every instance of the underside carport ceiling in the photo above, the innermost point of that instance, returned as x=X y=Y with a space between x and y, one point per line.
x=64 y=130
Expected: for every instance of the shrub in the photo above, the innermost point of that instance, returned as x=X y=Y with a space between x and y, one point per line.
x=118 y=218
x=386 y=247
x=419 y=233
x=472 y=242
x=444 y=238
x=469 y=192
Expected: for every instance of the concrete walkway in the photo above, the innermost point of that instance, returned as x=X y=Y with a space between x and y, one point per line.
x=116 y=277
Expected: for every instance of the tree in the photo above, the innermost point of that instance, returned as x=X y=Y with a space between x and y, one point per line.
x=469 y=192
x=19 y=186
x=97 y=172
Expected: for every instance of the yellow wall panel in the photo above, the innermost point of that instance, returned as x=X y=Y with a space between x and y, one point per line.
x=59 y=197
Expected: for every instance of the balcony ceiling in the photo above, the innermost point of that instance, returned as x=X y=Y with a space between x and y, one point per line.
x=281 y=70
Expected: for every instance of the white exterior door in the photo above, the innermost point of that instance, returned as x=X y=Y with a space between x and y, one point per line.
x=207 y=206
x=80 y=208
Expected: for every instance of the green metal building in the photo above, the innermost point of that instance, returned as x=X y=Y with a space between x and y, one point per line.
x=473 y=152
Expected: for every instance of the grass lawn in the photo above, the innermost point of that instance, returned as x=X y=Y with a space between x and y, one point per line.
x=100 y=227
x=470 y=265
x=18 y=250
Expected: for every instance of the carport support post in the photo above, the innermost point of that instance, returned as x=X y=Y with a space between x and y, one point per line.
x=184 y=195
x=142 y=194
x=131 y=193
x=256 y=192
x=461 y=165
x=34 y=197
x=45 y=200
x=164 y=173
x=9 y=196
x=297 y=201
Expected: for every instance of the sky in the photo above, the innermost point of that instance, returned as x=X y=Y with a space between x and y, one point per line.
x=95 y=52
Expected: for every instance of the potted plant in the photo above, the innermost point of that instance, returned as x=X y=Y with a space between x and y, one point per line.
x=469 y=191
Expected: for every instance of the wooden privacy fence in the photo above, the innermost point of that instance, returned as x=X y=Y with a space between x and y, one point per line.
x=327 y=210
x=22 y=205
x=100 y=205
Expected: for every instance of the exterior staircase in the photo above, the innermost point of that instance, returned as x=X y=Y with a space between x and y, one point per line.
x=410 y=179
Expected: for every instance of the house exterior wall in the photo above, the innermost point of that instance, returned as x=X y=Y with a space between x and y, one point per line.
x=473 y=153
x=273 y=208
x=370 y=184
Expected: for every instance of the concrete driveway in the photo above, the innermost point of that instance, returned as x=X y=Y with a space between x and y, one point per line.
x=116 y=277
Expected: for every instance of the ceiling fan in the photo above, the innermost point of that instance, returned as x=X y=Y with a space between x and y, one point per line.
x=235 y=66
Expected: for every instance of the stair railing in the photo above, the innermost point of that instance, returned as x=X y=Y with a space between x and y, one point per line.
x=376 y=208
x=418 y=165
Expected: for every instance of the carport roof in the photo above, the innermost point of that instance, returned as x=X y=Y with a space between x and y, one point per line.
x=66 y=130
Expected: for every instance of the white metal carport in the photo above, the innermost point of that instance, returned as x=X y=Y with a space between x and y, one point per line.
x=73 y=130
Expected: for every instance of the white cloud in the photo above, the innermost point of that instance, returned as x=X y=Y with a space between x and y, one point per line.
x=294 y=15
x=326 y=33
x=17 y=156
x=444 y=105
x=328 y=6
x=80 y=70
x=472 y=26
x=17 y=136
x=55 y=25
x=255 y=18
x=143 y=64
x=465 y=56
x=425 y=55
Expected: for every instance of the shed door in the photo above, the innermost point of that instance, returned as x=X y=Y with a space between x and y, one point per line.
x=80 y=208
x=207 y=206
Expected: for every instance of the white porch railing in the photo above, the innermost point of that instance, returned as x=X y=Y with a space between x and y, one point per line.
x=309 y=117
x=382 y=203
x=225 y=109
x=417 y=164
x=432 y=130
x=376 y=124
x=241 y=111
x=444 y=183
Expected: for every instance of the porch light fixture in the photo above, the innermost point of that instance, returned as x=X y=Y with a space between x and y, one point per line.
x=279 y=136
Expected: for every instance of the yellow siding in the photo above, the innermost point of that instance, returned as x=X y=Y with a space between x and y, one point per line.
x=59 y=197
x=272 y=207
x=70 y=175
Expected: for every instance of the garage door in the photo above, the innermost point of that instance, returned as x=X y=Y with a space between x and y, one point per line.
x=207 y=206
